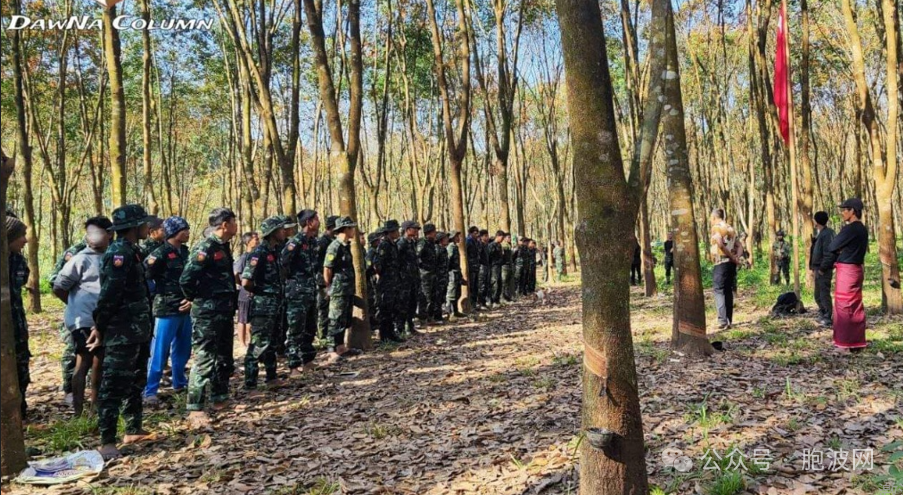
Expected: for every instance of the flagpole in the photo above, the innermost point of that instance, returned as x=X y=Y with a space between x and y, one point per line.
x=794 y=181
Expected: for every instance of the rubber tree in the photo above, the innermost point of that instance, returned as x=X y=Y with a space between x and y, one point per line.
x=113 y=55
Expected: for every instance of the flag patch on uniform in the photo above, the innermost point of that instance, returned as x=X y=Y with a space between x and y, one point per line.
x=202 y=255
x=172 y=256
x=253 y=261
x=271 y=258
x=218 y=255
x=330 y=257
x=118 y=260
x=291 y=246
x=151 y=260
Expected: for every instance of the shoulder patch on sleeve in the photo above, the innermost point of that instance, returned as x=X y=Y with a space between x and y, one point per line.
x=118 y=260
x=151 y=260
x=253 y=261
x=202 y=256
x=290 y=246
x=330 y=256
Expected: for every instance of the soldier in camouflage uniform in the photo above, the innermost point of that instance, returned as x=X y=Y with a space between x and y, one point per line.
x=370 y=257
x=18 y=277
x=291 y=230
x=507 y=270
x=485 y=298
x=780 y=251
x=408 y=266
x=209 y=283
x=156 y=236
x=338 y=271
x=455 y=278
x=495 y=256
x=67 y=360
x=426 y=262
x=389 y=277
x=122 y=325
x=299 y=258
x=521 y=255
x=473 y=248
x=532 y=264
x=441 y=284
x=263 y=278
x=172 y=325
x=322 y=297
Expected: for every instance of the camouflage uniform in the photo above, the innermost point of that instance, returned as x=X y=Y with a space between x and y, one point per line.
x=494 y=255
x=485 y=276
x=67 y=360
x=531 y=270
x=409 y=285
x=299 y=257
x=521 y=264
x=18 y=277
x=453 y=289
x=473 y=269
x=373 y=295
x=507 y=271
x=341 y=292
x=322 y=245
x=781 y=253
x=264 y=269
x=441 y=283
x=123 y=318
x=209 y=283
x=148 y=246
x=389 y=273
x=426 y=261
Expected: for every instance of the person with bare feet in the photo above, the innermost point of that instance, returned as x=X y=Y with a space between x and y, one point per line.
x=77 y=284
x=122 y=326
x=338 y=270
x=263 y=278
x=209 y=283
x=299 y=257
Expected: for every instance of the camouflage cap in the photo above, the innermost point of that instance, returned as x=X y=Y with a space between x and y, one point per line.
x=287 y=222
x=330 y=222
x=306 y=216
x=410 y=224
x=429 y=228
x=129 y=217
x=372 y=238
x=271 y=225
x=441 y=235
x=344 y=223
x=453 y=234
x=173 y=225
x=391 y=226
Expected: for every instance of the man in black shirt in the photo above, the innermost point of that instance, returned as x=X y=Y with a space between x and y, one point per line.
x=846 y=254
x=823 y=237
x=669 y=257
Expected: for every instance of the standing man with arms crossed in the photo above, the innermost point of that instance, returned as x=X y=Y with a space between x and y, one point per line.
x=725 y=272
x=824 y=236
x=208 y=282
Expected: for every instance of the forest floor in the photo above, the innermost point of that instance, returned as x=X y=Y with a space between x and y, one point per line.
x=493 y=407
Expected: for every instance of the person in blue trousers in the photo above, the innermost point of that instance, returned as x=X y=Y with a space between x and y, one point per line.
x=172 y=333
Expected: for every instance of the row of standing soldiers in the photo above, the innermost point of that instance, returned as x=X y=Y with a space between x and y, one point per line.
x=410 y=275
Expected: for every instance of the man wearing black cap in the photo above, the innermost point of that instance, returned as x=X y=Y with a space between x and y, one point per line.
x=455 y=279
x=824 y=235
x=473 y=248
x=122 y=326
x=389 y=276
x=322 y=300
x=299 y=257
x=494 y=255
x=426 y=262
x=409 y=266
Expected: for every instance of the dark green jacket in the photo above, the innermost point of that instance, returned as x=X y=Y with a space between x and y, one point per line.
x=123 y=311
x=165 y=266
x=18 y=277
x=208 y=280
x=339 y=259
x=300 y=260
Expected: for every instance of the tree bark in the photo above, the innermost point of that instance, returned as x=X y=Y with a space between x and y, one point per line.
x=113 y=53
x=607 y=204
x=150 y=197
x=689 y=330
x=884 y=167
x=806 y=201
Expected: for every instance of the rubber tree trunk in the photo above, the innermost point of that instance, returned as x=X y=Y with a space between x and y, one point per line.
x=12 y=447
x=615 y=463
x=113 y=53
x=151 y=197
x=689 y=330
x=806 y=203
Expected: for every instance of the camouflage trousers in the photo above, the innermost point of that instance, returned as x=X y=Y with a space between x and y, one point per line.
x=519 y=281
x=473 y=283
x=485 y=285
x=211 y=342
x=322 y=312
x=495 y=283
x=439 y=291
x=67 y=360
x=121 y=387
x=386 y=307
x=302 y=330
x=266 y=317
x=340 y=310
x=453 y=290
x=407 y=297
x=507 y=283
x=425 y=308
x=23 y=370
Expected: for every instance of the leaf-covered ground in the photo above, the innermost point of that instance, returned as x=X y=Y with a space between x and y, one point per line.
x=492 y=407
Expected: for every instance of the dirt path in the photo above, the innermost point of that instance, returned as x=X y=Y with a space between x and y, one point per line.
x=492 y=407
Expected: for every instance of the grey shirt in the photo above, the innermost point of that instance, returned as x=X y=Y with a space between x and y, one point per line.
x=81 y=278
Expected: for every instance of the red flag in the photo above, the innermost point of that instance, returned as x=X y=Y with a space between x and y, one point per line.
x=782 y=75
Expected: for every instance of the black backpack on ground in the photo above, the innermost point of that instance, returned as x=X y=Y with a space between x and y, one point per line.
x=787 y=305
